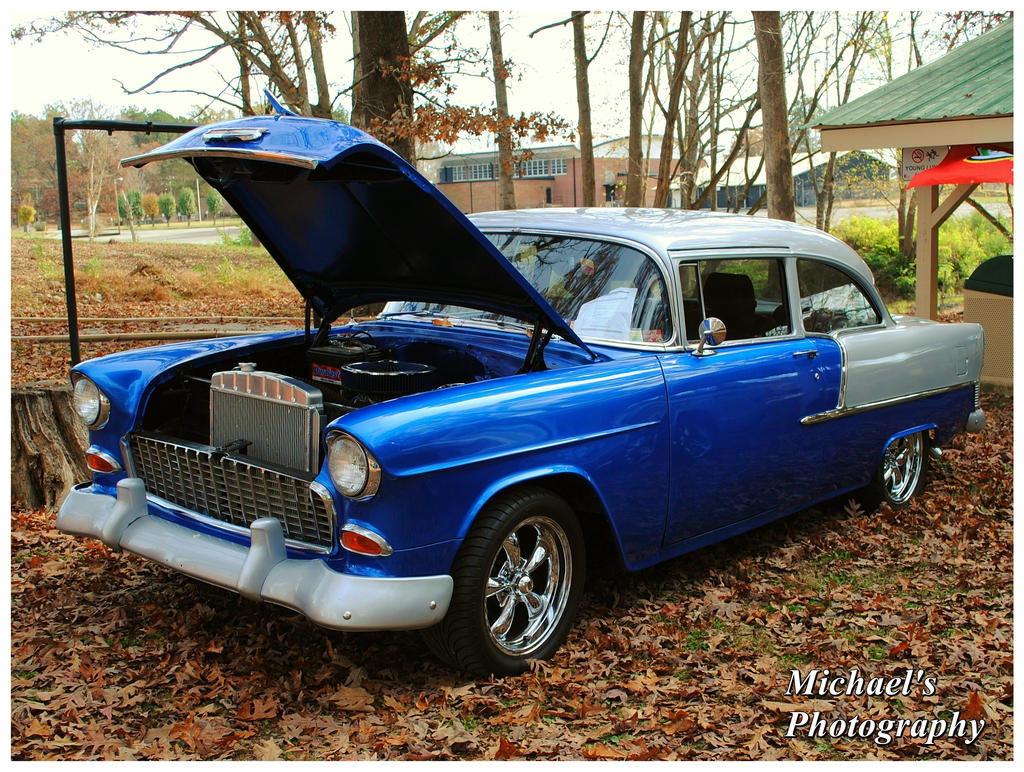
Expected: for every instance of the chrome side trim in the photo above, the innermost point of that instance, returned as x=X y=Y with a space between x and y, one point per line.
x=842 y=412
x=843 y=371
x=222 y=152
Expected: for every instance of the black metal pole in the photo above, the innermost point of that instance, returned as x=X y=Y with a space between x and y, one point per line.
x=60 y=125
x=65 y=237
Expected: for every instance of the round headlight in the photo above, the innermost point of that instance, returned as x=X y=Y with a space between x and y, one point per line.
x=355 y=472
x=91 y=404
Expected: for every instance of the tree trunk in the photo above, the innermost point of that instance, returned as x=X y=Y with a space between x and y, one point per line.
x=48 y=445
x=244 y=84
x=583 y=102
x=357 y=70
x=384 y=102
x=302 y=86
x=665 y=165
x=826 y=196
x=506 y=188
x=322 y=108
x=635 y=181
x=771 y=87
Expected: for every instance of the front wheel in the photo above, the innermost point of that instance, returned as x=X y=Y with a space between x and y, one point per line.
x=900 y=475
x=518 y=580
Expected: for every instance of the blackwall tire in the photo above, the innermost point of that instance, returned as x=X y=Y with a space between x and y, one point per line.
x=518 y=577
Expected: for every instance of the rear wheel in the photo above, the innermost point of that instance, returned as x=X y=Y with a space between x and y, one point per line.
x=518 y=580
x=900 y=475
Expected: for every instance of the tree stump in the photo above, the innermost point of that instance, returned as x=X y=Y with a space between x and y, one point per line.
x=48 y=445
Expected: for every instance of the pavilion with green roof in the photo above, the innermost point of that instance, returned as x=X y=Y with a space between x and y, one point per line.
x=963 y=98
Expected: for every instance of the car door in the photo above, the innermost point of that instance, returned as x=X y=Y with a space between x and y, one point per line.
x=738 y=448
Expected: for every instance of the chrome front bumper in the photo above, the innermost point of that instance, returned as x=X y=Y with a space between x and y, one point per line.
x=261 y=571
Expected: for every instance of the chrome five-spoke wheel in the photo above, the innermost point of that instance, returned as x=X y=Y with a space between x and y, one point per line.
x=901 y=467
x=518 y=579
x=900 y=475
x=528 y=586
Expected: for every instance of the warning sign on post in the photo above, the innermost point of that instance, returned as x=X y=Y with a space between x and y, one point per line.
x=917 y=159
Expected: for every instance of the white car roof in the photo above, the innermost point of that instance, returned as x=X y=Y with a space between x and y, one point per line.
x=671 y=231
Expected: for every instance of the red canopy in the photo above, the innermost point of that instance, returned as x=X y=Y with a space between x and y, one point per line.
x=968 y=164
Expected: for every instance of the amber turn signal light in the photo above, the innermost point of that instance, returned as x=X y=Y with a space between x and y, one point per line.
x=363 y=541
x=98 y=463
x=98 y=460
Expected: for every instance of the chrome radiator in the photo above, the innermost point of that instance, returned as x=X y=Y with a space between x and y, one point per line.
x=276 y=416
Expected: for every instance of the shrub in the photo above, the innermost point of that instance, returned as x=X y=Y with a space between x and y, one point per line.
x=168 y=208
x=26 y=215
x=243 y=239
x=877 y=241
x=964 y=243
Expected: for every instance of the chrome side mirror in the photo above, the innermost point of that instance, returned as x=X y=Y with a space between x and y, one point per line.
x=712 y=332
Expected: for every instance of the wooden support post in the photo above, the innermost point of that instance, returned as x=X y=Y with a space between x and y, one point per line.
x=930 y=215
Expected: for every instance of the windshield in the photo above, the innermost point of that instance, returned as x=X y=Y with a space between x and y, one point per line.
x=605 y=291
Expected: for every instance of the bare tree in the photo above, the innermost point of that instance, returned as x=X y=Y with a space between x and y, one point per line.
x=635 y=178
x=771 y=88
x=820 y=47
x=280 y=46
x=579 y=40
x=666 y=168
x=582 y=64
x=506 y=189
x=284 y=50
x=97 y=155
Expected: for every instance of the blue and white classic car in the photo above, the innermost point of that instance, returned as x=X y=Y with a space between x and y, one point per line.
x=541 y=385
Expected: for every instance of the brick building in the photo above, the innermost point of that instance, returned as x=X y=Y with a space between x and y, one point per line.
x=553 y=176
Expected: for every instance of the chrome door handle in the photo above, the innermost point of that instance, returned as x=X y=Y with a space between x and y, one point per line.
x=810 y=353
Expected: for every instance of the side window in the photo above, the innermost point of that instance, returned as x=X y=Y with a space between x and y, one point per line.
x=748 y=295
x=831 y=300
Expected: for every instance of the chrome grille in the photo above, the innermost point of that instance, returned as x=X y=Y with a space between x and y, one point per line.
x=278 y=416
x=232 y=490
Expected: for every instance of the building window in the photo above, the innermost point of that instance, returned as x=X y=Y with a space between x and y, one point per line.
x=558 y=166
x=535 y=168
x=457 y=173
x=480 y=172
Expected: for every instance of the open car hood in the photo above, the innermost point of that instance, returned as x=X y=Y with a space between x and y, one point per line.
x=350 y=221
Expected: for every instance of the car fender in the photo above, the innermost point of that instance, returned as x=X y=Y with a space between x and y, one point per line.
x=542 y=477
x=444 y=453
x=927 y=427
x=128 y=378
